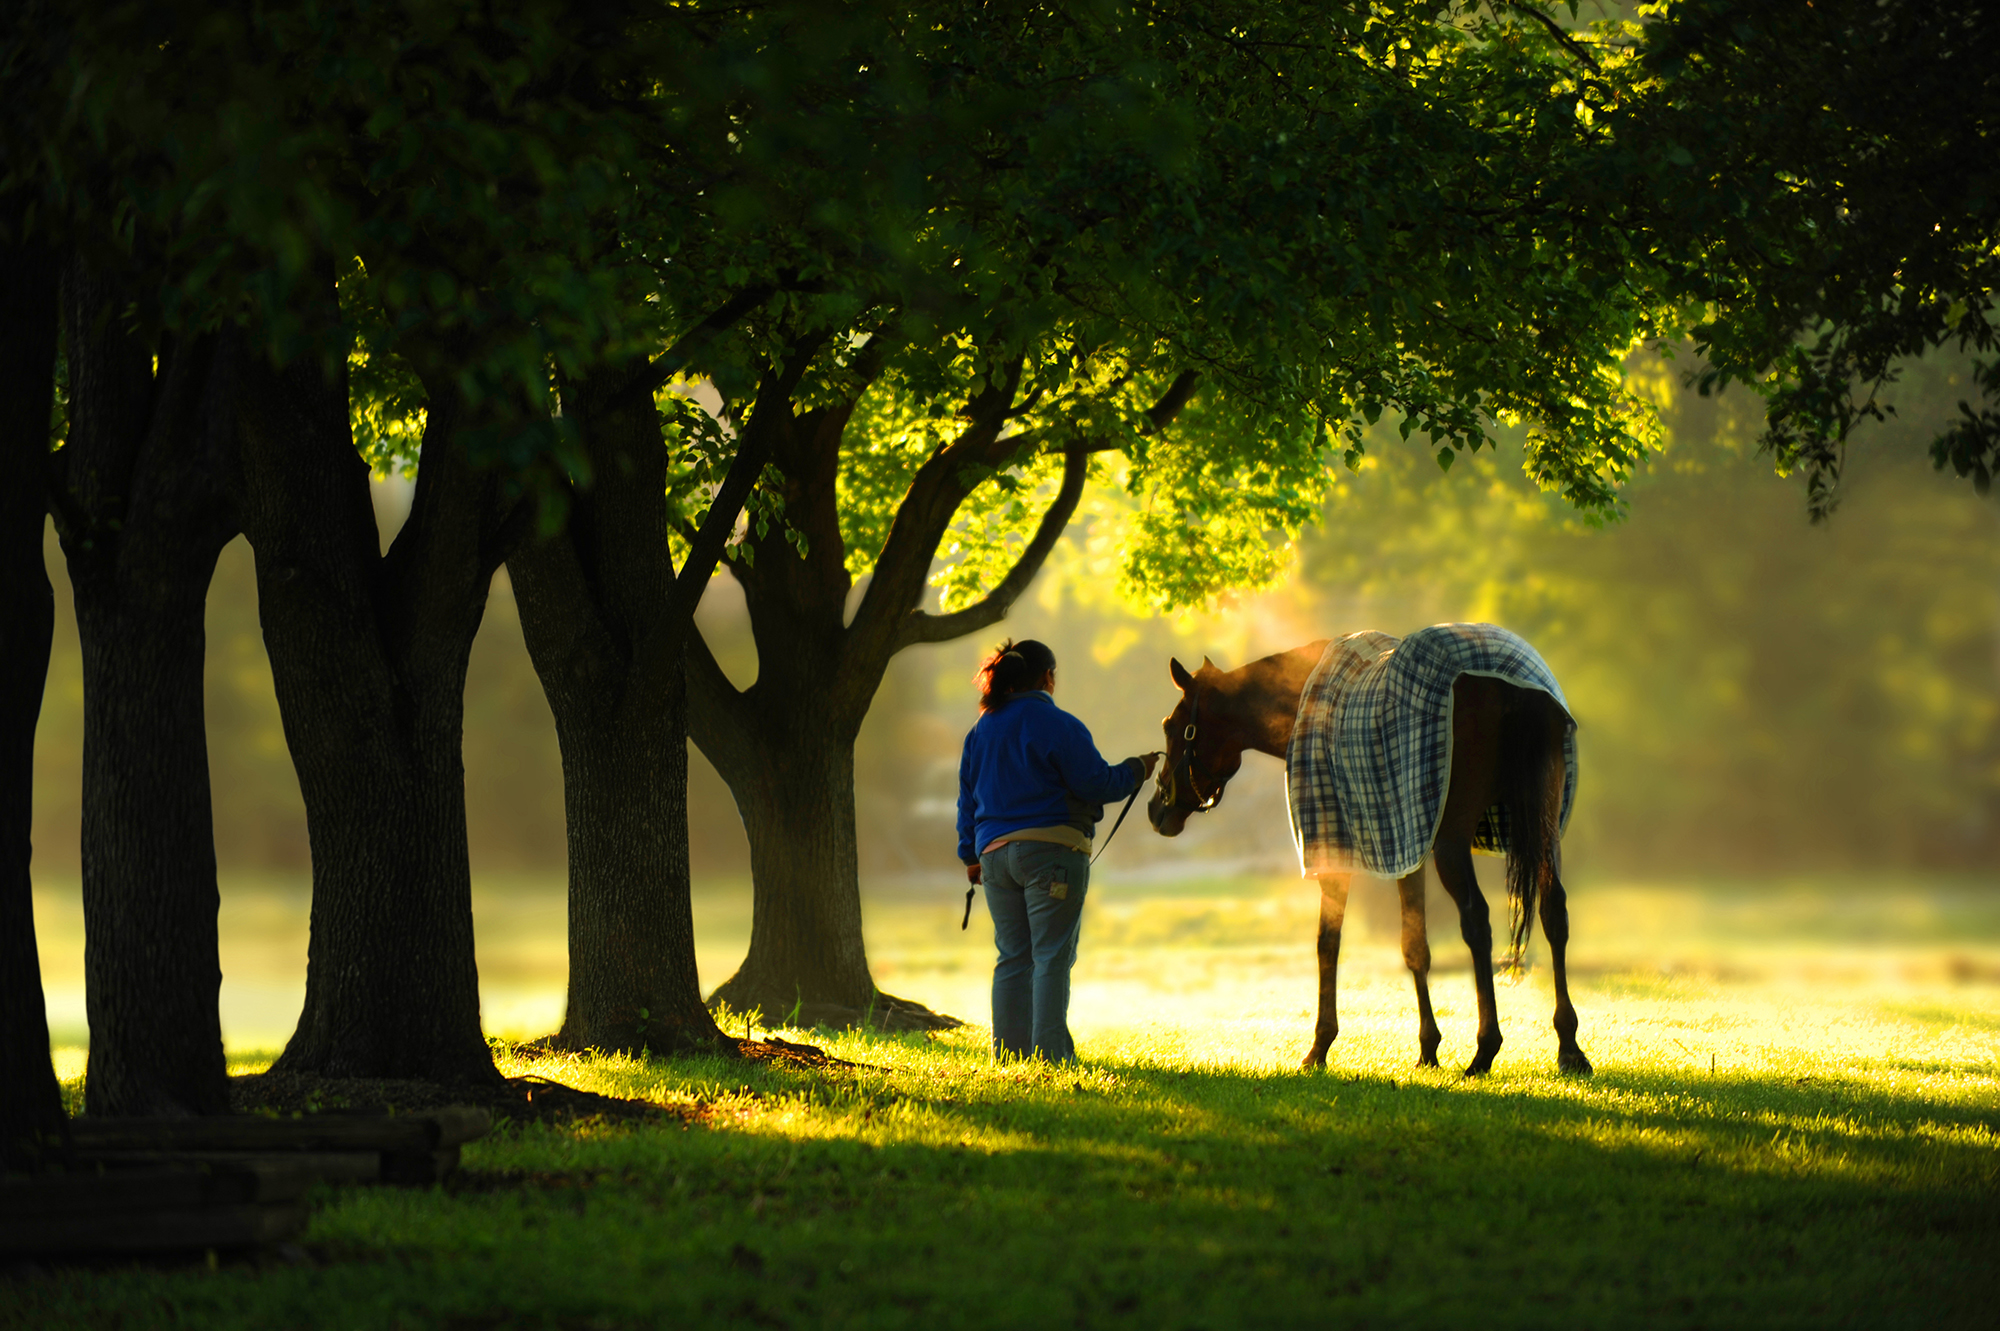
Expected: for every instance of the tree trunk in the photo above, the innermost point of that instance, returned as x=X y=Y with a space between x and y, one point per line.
x=392 y=984
x=31 y=1109
x=632 y=978
x=595 y=611
x=368 y=654
x=149 y=499
x=806 y=951
x=152 y=973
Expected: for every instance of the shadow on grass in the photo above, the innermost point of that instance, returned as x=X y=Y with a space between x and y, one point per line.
x=947 y=1191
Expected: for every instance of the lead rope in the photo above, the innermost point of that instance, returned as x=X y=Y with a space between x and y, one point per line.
x=1130 y=800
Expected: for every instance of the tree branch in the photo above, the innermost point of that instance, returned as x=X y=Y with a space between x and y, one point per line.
x=1557 y=31
x=560 y=618
x=897 y=585
x=668 y=636
x=1158 y=416
x=661 y=371
x=753 y=449
x=513 y=530
x=987 y=410
x=923 y=627
x=1161 y=414
x=716 y=721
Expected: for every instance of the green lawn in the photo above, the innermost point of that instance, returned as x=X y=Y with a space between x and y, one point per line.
x=1839 y=1166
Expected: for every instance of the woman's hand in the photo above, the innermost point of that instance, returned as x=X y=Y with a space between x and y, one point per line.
x=972 y=874
x=1152 y=760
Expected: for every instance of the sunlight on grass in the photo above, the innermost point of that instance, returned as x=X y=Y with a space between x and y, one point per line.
x=1749 y=1077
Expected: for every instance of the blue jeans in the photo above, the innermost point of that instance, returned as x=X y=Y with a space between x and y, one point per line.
x=1035 y=891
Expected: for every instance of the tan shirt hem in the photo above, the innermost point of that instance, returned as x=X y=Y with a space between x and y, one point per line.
x=1061 y=836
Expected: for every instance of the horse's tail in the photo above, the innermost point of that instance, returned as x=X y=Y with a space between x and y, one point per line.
x=1532 y=730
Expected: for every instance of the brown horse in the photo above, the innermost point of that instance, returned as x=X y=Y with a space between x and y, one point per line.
x=1507 y=749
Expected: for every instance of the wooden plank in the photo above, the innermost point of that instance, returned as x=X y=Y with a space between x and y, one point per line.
x=418 y=1167
x=319 y=1166
x=317 y=1132
x=458 y=1124
x=151 y=1231
x=162 y=1185
x=246 y=1132
x=41 y=1195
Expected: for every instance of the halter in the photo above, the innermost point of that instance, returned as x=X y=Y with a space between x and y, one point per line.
x=1184 y=769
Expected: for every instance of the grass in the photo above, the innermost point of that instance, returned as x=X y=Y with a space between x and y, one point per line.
x=1838 y=1166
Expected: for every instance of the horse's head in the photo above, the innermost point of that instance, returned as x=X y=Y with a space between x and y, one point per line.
x=1204 y=749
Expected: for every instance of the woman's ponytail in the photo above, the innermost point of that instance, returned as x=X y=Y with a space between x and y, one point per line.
x=1014 y=667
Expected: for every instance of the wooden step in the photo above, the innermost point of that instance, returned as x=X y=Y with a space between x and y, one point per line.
x=155 y=1207
x=337 y=1167
x=413 y=1149
x=154 y=1186
x=164 y=1184
x=132 y=1232
x=427 y=1131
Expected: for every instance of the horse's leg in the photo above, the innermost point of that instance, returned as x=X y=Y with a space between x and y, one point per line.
x=1454 y=866
x=1332 y=913
x=1417 y=956
x=1475 y=755
x=1555 y=927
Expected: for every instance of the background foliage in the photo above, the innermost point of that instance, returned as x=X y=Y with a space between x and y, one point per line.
x=1758 y=694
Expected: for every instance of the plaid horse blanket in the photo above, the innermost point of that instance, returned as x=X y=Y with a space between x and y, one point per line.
x=1370 y=756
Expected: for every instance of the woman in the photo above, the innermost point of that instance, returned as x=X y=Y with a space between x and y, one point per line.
x=1031 y=787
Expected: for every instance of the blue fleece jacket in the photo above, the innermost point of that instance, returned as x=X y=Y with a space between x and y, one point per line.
x=1028 y=763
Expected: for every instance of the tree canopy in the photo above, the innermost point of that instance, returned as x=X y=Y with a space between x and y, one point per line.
x=1820 y=174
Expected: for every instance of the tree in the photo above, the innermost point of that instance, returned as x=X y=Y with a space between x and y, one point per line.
x=142 y=503
x=607 y=620
x=1817 y=173
x=1215 y=254
x=139 y=493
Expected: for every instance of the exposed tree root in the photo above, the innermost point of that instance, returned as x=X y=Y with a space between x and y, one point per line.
x=886 y=1013
x=527 y=1099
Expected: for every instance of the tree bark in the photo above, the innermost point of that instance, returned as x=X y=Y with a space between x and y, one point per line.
x=632 y=980
x=368 y=655
x=807 y=963
x=32 y=1123
x=143 y=513
x=594 y=601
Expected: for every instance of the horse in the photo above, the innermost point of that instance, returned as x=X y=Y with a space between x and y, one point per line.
x=1507 y=750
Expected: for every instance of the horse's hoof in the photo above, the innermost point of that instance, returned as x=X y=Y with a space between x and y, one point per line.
x=1477 y=1070
x=1427 y=1060
x=1572 y=1062
x=1313 y=1062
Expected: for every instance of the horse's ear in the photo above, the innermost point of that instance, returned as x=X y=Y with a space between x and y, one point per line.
x=1207 y=664
x=1181 y=676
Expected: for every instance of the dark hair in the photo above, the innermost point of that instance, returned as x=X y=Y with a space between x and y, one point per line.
x=1014 y=667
